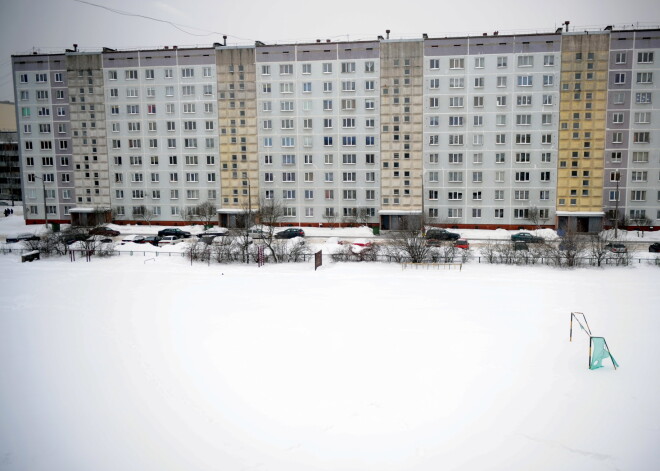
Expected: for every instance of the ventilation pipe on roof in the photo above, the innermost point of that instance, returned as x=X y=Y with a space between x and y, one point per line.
x=388 y=33
x=224 y=39
x=566 y=23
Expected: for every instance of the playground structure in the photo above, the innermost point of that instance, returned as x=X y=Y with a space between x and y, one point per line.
x=598 y=348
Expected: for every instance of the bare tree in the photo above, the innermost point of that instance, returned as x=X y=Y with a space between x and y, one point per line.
x=144 y=213
x=597 y=248
x=270 y=215
x=117 y=213
x=330 y=218
x=570 y=250
x=643 y=222
x=207 y=212
x=362 y=216
x=192 y=213
x=534 y=216
x=408 y=243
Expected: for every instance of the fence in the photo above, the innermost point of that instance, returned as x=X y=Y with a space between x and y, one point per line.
x=76 y=254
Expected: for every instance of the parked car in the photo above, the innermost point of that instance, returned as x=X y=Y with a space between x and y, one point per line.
x=462 y=244
x=616 y=248
x=153 y=240
x=257 y=233
x=22 y=237
x=526 y=237
x=69 y=239
x=100 y=238
x=104 y=231
x=290 y=233
x=169 y=240
x=174 y=231
x=654 y=247
x=441 y=234
x=136 y=239
x=210 y=233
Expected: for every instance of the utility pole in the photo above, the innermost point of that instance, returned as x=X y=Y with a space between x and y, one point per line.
x=43 y=185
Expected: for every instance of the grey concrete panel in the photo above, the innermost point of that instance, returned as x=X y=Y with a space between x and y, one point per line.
x=276 y=53
x=647 y=39
x=359 y=50
x=319 y=51
x=622 y=40
x=196 y=57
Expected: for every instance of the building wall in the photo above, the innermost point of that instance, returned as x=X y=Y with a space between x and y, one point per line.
x=237 y=114
x=582 y=123
x=318 y=121
x=10 y=170
x=487 y=131
x=632 y=164
x=7 y=117
x=85 y=141
x=40 y=83
x=163 y=146
x=402 y=115
x=490 y=124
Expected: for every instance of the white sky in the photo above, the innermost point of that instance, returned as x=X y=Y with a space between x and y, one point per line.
x=50 y=26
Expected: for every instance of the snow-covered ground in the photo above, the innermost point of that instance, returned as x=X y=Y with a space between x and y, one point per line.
x=149 y=363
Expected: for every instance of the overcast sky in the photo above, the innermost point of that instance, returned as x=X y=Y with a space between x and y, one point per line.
x=50 y=26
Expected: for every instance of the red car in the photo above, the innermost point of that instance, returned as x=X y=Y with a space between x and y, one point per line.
x=462 y=244
x=104 y=231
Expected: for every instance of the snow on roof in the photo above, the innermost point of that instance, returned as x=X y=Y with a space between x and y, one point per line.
x=82 y=210
x=395 y=212
x=580 y=213
x=232 y=211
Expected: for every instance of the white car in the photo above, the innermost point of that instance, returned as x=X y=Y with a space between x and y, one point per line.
x=257 y=233
x=169 y=240
x=136 y=239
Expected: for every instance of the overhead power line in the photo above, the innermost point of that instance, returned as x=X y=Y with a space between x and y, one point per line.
x=146 y=17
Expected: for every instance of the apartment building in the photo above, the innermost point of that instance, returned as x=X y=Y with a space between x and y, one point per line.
x=318 y=125
x=487 y=131
x=491 y=129
x=631 y=164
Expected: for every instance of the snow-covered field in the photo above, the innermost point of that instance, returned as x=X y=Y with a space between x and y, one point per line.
x=126 y=363
x=149 y=363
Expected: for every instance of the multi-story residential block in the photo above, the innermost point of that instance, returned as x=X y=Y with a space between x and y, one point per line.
x=237 y=114
x=402 y=114
x=631 y=163
x=583 y=105
x=491 y=129
x=318 y=130
x=488 y=131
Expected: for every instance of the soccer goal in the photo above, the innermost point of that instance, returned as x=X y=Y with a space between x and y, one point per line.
x=598 y=348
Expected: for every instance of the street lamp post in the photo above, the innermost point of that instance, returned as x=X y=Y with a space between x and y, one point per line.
x=616 y=206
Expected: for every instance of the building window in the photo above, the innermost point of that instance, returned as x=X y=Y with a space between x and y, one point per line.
x=645 y=57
